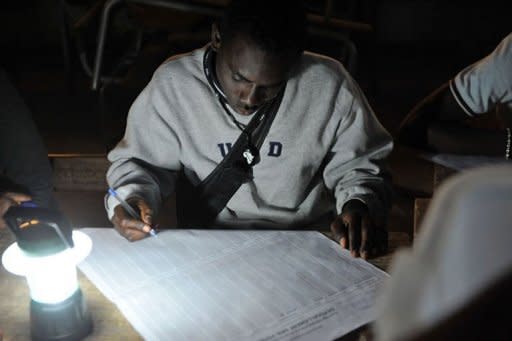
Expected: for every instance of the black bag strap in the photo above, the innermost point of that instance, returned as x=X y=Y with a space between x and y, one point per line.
x=207 y=199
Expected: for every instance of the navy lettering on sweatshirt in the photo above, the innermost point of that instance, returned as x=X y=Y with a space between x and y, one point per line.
x=274 y=148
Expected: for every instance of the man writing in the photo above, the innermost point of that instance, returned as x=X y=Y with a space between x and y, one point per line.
x=318 y=164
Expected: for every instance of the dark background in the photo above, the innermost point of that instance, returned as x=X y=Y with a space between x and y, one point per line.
x=415 y=46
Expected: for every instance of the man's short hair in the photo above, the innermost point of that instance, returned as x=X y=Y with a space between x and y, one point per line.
x=276 y=26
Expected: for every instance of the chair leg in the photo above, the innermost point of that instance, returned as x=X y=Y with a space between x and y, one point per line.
x=66 y=43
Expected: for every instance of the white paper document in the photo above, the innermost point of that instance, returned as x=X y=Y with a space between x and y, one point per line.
x=234 y=285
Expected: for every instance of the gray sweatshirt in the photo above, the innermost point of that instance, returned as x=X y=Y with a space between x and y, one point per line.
x=324 y=147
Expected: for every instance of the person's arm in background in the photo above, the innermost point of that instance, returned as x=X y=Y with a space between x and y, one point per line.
x=439 y=123
x=358 y=177
x=24 y=163
x=141 y=164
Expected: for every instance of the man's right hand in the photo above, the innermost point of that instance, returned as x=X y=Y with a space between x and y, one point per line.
x=129 y=227
x=8 y=199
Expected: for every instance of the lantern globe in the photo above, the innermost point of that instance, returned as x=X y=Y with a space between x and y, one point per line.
x=46 y=253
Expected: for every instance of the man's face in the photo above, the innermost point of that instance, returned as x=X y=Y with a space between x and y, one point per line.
x=249 y=76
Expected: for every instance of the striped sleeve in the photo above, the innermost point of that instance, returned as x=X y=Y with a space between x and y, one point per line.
x=486 y=83
x=460 y=98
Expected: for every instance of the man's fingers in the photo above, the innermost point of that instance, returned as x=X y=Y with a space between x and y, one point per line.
x=132 y=234
x=354 y=235
x=131 y=229
x=367 y=237
x=146 y=213
x=344 y=242
x=142 y=226
x=339 y=232
x=364 y=251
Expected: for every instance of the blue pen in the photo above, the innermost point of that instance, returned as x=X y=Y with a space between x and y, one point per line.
x=29 y=203
x=129 y=209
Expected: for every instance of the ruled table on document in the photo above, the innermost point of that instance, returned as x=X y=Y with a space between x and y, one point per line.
x=234 y=285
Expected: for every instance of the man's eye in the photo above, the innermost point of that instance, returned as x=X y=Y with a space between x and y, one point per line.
x=237 y=78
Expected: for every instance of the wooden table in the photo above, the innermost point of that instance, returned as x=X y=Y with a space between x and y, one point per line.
x=421 y=205
x=109 y=323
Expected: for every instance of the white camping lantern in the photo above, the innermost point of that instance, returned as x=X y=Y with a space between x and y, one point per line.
x=46 y=253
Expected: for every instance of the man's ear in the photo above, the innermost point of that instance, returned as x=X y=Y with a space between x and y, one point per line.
x=215 y=36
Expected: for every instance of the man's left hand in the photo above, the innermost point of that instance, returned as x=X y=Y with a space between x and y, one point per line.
x=355 y=230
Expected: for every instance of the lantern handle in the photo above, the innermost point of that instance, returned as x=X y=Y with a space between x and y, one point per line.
x=60 y=234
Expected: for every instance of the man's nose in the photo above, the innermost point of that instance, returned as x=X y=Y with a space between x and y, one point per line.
x=252 y=97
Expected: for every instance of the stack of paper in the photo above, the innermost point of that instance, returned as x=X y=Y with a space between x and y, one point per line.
x=234 y=285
